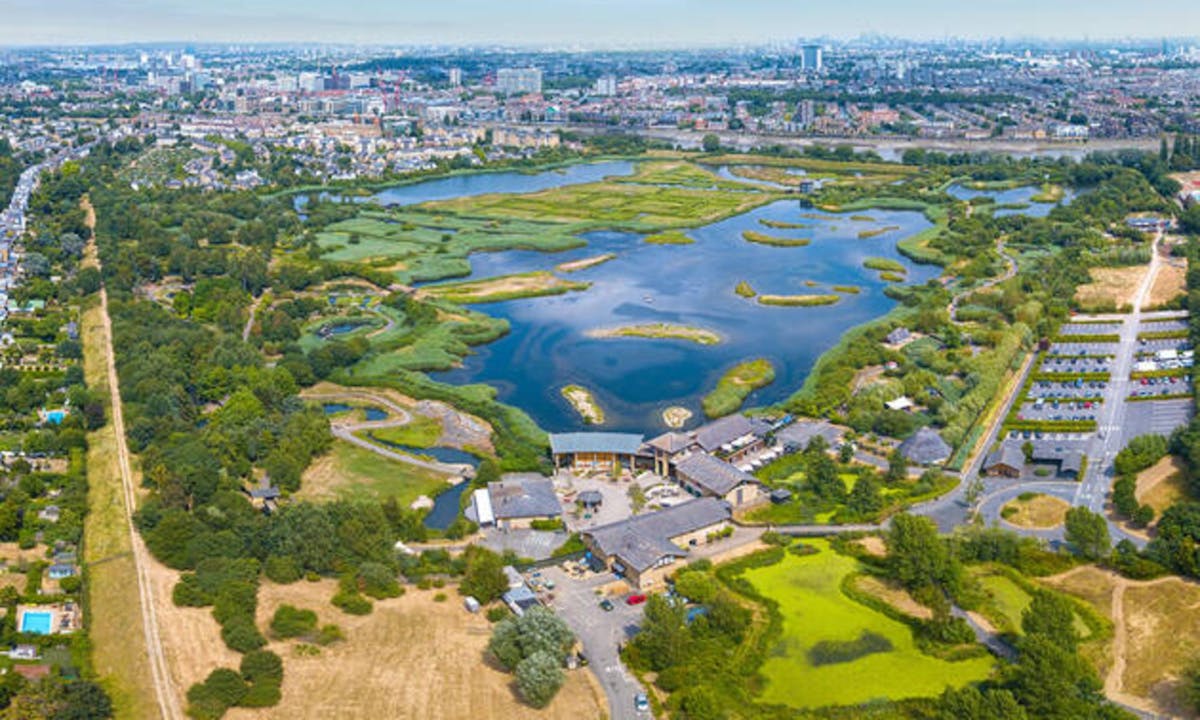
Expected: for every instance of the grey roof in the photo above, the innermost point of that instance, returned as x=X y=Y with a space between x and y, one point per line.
x=523 y=497
x=643 y=540
x=712 y=474
x=590 y=497
x=595 y=442
x=1068 y=456
x=900 y=334
x=719 y=432
x=925 y=447
x=1007 y=454
x=671 y=442
x=801 y=433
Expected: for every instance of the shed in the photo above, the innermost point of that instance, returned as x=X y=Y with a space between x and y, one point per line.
x=520 y=599
x=781 y=496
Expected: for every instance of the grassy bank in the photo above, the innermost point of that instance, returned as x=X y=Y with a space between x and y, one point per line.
x=506 y=287
x=798 y=300
x=764 y=239
x=666 y=331
x=736 y=384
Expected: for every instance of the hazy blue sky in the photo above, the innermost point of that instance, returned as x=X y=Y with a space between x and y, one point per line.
x=584 y=22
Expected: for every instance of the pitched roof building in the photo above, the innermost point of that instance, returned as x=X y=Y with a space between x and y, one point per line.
x=926 y=447
x=641 y=548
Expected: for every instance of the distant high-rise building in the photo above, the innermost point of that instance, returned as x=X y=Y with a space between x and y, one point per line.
x=455 y=77
x=605 y=85
x=806 y=114
x=513 y=81
x=810 y=58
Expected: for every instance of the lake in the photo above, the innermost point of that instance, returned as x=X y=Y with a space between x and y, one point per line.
x=1021 y=195
x=483 y=183
x=635 y=379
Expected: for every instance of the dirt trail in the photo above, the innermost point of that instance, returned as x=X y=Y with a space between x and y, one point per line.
x=164 y=689
x=1114 y=681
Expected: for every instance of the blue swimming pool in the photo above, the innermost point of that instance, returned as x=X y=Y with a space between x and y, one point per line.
x=36 y=621
x=56 y=416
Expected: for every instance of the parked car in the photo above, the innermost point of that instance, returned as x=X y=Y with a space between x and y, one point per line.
x=641 y=703
x=606 y=605
x=637 y=599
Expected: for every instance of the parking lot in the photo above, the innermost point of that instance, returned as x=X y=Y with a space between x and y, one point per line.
x=1090 y=329
x=1052 y=410
x=1163 y=326
x=1159 y=417
x=1073 y=364
x=1074 y=349
x=1067 y=390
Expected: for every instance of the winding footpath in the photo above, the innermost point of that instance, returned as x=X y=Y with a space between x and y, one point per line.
x=397 y=417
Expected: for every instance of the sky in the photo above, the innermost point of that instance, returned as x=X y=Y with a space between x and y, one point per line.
x=584 y=23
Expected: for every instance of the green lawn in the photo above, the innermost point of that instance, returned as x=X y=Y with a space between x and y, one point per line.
x=1010 y=601
x=420 y=432
x=814 y=610
x=350 y=472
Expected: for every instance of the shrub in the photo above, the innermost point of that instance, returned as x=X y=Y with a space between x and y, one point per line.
x=240 y=634
x=291 y=622
x=188 y=593
x=496 y=613
x=440 y=597
x=352 y=603
x=329 y=634
x=378 y=581
x=283 y=570
x=553 y=524
x=69 y=584
x=830 y=652
x=266 y=694
x=262 y=666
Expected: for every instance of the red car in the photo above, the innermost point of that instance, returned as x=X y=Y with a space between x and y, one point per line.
x=635 y=599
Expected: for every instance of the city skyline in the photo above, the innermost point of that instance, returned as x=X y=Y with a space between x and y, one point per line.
x=583 y=23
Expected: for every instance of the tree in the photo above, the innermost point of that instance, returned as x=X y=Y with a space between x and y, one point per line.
x=897 y=467
x=699 y=587
x=974 y=490
x=1051 y=616
x=1088 y=532
x=483 y=577
x=710 y=143
x=663 y=640
x=291 y=622
x=539 y=677
x=917 y=557
x=971 y=703
x=538 y=630
x=865 y=498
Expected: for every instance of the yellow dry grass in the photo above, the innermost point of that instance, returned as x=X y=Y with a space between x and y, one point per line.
x=114 y=619
x=1162 y=636
x=410 y=658
x=1162 y=485
x=1040 y=511
x=1110 y=287
x=874 y=545
x=1169 y=283
x=893 y=595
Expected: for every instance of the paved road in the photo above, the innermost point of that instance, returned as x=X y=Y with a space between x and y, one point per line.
x=601 y=633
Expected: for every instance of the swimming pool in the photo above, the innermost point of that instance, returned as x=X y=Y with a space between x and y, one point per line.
x=56 y=416
x=36 y=621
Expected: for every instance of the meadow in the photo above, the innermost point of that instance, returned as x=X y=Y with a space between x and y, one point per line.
x=814 y=610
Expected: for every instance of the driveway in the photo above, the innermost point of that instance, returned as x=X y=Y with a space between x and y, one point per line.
x=602 y=633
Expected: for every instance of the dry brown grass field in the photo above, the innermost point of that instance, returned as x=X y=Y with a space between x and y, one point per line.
x=1040 y=511
x=1156 y=635
x=1110 y=287
x=410 y=658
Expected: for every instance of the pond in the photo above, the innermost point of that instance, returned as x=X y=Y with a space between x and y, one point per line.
x=445 y=507
x=452 y=456
x=335 y=408
x=1015 y=196
x=374 y=414
x=482 y=183
x=635 y=379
